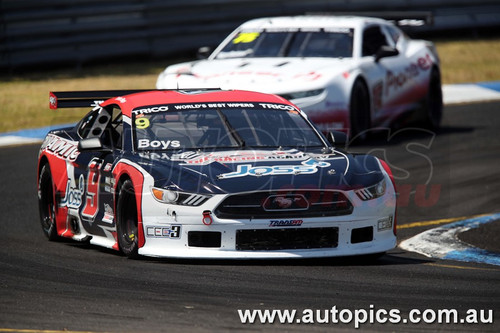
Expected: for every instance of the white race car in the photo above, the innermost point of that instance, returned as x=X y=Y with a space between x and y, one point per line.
x=346 y=72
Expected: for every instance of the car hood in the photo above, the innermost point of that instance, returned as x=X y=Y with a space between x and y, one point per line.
x=271 y=75
x=260 y=170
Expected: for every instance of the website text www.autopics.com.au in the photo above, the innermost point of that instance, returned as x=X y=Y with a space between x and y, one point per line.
x=359 y=317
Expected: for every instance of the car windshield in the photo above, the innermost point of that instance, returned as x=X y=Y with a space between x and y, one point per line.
x=330 y=43
x=222 y=125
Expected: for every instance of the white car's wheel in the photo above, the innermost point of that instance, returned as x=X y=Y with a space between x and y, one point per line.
x=360 y=111
x=434 y=102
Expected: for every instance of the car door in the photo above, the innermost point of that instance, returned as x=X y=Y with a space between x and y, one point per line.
x=93 y=169
x=382 y=74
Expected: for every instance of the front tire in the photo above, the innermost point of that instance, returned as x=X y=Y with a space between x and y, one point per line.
x=47 y=203
x=127 y=220
x=360 y=111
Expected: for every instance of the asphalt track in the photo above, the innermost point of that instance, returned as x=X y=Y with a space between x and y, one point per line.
x=67 y=286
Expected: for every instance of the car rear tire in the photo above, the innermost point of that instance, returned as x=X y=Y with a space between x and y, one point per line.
x=360 y=111
x=127 y=221
x=47 y=203
x=434 y=102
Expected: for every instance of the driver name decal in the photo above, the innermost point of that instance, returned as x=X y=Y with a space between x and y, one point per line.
x=161 y=144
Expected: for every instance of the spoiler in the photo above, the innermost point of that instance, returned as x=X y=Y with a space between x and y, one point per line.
x=88 y=98
x=81 y=99
x=401 y=19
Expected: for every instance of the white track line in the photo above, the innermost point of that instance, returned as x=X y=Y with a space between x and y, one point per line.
x=443 y=242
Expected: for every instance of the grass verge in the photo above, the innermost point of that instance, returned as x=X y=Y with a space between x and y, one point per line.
x=24 y=98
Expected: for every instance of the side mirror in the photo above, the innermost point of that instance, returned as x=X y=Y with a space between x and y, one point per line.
x=90 y=144
x=204 y=52
x=337 y=139
x=385 y=51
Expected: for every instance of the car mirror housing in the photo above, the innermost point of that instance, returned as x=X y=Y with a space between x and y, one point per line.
x=204 y=52
x=385 y=51
x=90 y=144
x=337 y=139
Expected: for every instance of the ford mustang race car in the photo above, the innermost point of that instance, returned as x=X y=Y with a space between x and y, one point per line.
x=209 y=174
x=347 y=73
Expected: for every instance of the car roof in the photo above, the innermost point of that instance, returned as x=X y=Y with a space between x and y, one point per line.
x=311 y=21
x=159 y=97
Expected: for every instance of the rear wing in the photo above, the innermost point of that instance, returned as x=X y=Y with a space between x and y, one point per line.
x=89 y=98
x=81 y=99
x=401 y=19
x=408 y=19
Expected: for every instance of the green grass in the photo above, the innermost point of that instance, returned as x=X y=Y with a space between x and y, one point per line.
x=24 y=98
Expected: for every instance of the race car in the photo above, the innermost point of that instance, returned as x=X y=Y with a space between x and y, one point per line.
x=347 y=73
x=209 y=174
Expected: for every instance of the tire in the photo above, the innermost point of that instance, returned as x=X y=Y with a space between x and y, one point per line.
x=127 y=221
x=434 y=102
x=360 y=111
x=47 y=203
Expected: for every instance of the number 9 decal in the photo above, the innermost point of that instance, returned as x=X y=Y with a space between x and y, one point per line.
x=142 y=123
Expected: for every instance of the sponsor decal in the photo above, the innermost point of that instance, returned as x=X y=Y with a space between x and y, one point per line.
x=172 y=231
x=194 y=158
x=277 y=106
x=213 y=106
x=162 y=144
x=398 y=80
x=109 y=184
x=246 y=37
x=61 y=147
x=153 y=109
x=285 y=223
x=109 y=215
x=339 y=30
x=307 y=167
x=190 y=106
x=225 y=157
x=155 y=156
x=73 y=196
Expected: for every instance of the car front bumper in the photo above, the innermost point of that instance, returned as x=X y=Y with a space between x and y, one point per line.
x=259 y=240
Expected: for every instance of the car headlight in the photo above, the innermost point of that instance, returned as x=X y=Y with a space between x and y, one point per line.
x=302 y=94
x=164 y=195
x=169 y=196
x=372 y=192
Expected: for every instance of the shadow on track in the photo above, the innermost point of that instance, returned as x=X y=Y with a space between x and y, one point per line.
x=387 y=259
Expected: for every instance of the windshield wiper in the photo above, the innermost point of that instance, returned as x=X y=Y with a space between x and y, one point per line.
x=234 y=133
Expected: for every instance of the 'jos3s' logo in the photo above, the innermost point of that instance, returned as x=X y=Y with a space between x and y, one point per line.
x=73 y=196
x=307 y=167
